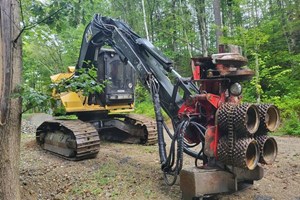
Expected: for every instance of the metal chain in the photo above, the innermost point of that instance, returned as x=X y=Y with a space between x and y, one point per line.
x=231 y=138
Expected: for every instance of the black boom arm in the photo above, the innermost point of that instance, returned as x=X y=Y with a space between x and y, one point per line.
x=150 y=63
x=152 y=68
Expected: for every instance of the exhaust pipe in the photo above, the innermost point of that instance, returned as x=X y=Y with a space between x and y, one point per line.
x=268 y=149
x=245 y=118
x=269 y=118
x=245 y=153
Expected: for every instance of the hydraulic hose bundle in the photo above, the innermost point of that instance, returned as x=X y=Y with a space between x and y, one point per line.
x=171 y=165
x=168 y=165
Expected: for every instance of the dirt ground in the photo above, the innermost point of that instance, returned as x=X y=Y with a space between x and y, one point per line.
x=123 y=171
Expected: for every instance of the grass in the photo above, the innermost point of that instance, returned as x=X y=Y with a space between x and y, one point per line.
x=103 y=183
x=66 y=117
x=146 y=108
x=27 y=115
x=114 y=180
x=25 y=136
x=150 y=149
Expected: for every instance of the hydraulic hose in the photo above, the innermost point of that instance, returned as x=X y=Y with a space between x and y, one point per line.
x=160 y=134
x=192 y=153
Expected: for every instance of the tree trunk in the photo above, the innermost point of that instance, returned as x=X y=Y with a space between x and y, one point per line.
x=189 y=49
x=174 y=21
x=10 y=108
x=257 y=84
x=218 y=21
x=152 y=6
x=145 y=20
x=201 y=19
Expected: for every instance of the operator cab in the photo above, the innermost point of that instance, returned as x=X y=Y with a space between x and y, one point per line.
x=119 y=77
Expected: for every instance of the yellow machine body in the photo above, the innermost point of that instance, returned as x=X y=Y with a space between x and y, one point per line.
x=76 y=102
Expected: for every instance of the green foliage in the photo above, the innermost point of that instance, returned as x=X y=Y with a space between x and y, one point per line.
x=141 y=94
x=58 y=110
x=32 y=99
x=143 y=102
x=268 y=37
x=291 y=125
x=145 y=108
x=67 y=117
x=84 y=81
x=267 y=30
x=289 y=106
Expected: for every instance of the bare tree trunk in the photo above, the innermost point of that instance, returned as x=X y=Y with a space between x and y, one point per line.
x=230 y=15
x=257 y=84
x=145 y=20
x=289 y=16
x=201 y=18
x=284 y=24
x=174 y=40
x=257 y=75
x=218 y=21
x=152 y=27
x=184 y=31
x=10 y=108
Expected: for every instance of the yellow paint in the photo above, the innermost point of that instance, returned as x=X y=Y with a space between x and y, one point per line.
x=71 y=69
x=58 y=77
x=76 y=102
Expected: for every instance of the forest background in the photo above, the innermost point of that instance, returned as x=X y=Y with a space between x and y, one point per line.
x=267 y=30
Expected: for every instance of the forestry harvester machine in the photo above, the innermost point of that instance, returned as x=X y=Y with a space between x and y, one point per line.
x=210 y=123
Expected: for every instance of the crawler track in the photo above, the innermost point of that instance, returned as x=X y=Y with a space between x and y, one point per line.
x=71 y=139
x=129 y=128
x=149 y=125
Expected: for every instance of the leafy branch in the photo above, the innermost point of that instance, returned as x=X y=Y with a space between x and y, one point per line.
x=85 y=81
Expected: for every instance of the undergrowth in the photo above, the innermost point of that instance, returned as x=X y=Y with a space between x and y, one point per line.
x=146 y=108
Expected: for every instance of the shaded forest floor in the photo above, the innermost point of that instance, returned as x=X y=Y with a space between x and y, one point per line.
x=123 y=171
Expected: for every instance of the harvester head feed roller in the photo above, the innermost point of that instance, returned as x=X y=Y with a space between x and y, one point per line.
x=269 y=118
x=245 y=153
x=268 y=149
x=222 y=115
x=245 y=119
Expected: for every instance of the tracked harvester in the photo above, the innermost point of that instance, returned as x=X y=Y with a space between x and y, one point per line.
x=100 y=115
x=210 y=121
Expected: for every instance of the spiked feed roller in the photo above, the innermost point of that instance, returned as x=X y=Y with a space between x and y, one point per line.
x=245 y=153
x=245 y=119
x=268 y=117
x=222 y=115
x=268 y=149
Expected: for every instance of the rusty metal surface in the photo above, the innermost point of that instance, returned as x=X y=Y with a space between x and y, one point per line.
x=229 y=59
x=268 y=149
x=245 y=153
x=71 y=139
x=269 y=118
x=245 y=119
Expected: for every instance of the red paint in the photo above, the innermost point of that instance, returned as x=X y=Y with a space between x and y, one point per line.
x=213 y=93
x=196 y=73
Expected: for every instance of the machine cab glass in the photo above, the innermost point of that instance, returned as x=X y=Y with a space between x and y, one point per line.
x=116 y=77
x=119 y=76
